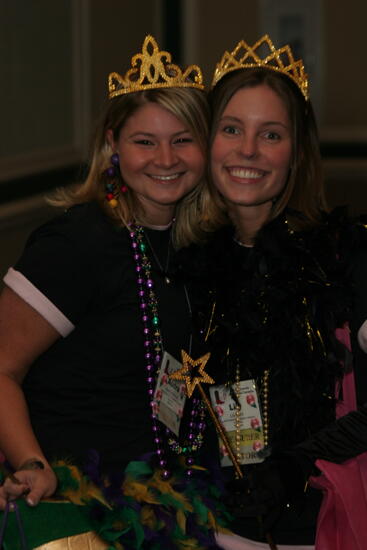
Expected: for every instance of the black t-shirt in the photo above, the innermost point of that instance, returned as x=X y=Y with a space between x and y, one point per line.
x=89 y=390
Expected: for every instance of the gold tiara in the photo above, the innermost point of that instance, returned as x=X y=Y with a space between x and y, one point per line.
x=153 y=69
x=281 y=60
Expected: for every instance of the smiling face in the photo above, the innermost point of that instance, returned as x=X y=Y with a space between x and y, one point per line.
x=252 y=149
x=160 y=160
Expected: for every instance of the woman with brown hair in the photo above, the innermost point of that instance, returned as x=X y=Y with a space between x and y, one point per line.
x=279 y=292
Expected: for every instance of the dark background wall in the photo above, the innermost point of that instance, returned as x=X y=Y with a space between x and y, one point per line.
x=56 y=58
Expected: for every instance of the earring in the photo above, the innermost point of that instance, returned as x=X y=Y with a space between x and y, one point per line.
x=113 y=172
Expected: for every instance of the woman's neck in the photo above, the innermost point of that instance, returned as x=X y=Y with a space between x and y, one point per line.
x=159 y=227
x=156 y=215
x=248 y=221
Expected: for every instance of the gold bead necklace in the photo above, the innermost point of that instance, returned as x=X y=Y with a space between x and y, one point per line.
x=238 y=416
x=264 y=397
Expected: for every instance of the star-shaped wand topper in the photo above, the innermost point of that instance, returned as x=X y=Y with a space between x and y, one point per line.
x=186 y=372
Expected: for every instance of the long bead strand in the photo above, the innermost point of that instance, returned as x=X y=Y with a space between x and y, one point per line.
x=153 y=348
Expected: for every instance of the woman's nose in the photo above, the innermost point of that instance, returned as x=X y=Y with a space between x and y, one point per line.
x=166 y=156
x=249 y=147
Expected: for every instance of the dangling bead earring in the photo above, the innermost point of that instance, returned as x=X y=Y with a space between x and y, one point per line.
x=113 y=172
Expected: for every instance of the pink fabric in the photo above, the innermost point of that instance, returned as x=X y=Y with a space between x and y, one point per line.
x=342 y=521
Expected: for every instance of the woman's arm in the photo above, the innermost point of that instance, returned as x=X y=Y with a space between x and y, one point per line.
x=344 y=439
x=24 y=335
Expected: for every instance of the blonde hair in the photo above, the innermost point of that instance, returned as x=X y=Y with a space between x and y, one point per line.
x=304 y=190
x=190 y=106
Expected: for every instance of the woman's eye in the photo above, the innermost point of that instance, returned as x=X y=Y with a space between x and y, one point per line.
x=184 y=140
x=230 y=130
x=143 y=142
x=273 y=136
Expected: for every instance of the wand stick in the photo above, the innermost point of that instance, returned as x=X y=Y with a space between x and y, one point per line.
x=221 y=432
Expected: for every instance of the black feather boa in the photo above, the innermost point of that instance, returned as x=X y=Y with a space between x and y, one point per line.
x=277 y=306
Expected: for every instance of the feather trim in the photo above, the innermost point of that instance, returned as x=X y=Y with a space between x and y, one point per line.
x=145 y=512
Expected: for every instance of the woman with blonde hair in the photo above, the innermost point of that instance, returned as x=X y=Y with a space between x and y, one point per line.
x=90 y=316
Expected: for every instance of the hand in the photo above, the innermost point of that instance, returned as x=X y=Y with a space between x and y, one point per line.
x=32 y=484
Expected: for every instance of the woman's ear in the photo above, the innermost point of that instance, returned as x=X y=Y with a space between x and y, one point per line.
x=109 y=139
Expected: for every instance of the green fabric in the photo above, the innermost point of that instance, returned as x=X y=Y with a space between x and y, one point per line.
x=43 y=523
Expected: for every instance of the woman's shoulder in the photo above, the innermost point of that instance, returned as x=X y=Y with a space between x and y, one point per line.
x=80 y=217
x=348 y=231
x=83 y=226
x=354 y=236
x=335 y=231
x=75 y=250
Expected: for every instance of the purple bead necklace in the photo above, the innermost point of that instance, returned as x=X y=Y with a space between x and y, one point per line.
x=153 y=349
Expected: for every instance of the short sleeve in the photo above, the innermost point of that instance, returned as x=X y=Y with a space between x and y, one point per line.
x=56 y=274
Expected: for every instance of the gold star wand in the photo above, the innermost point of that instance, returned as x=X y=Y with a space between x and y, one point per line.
x=186 y=373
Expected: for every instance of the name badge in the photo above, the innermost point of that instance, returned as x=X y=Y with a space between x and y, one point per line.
x=245 y=421
x=169 y=395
